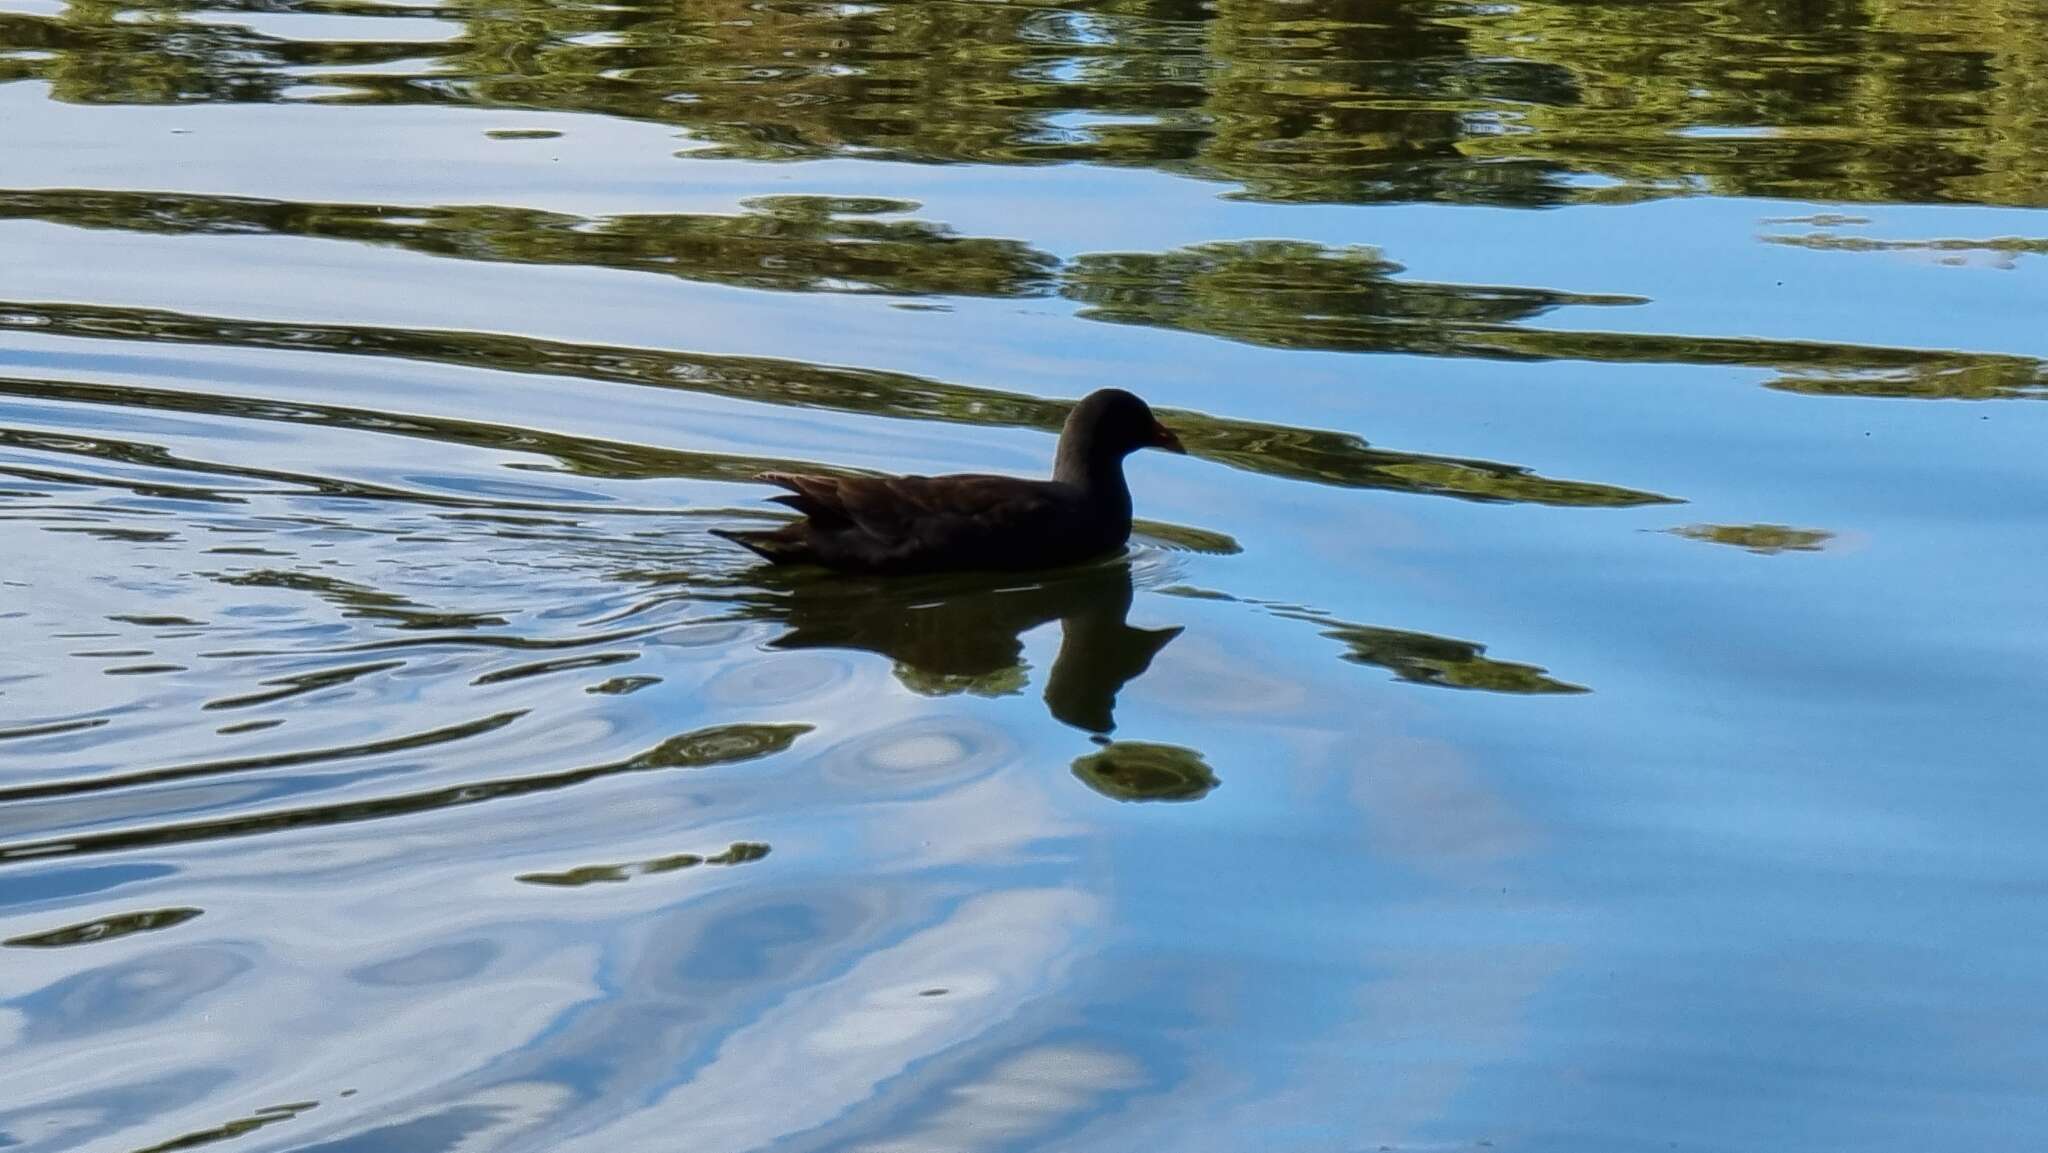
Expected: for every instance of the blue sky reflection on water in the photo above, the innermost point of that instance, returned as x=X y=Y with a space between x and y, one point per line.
x=1601 y=711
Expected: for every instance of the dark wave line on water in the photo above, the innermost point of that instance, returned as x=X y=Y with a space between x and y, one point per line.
x=507 y=641
x=296 y=759
x=284 y=688
x=104 y=929
x=582 y=455
x=738 y=853
x=1272 y=293
x=1427 y=659
x=52 y=728
x=1415 y=657
x=228 y=1131
x=1320 y=456
x=545 y=668
x=703 y=748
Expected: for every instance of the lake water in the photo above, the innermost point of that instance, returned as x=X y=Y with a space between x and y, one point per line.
x=1581 y=693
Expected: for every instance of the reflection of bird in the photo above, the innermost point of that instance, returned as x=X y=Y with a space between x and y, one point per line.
x=952 y=634
x=972 y=521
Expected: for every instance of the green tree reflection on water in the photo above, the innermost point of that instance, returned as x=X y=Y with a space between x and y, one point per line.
x=1142 y=771
x=1537 y=104
x=1278 y=294
x=1858 y=100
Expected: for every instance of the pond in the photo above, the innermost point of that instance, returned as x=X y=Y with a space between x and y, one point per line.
x=1578 y=693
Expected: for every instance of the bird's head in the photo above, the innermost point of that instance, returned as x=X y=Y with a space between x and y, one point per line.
x=1116 y=423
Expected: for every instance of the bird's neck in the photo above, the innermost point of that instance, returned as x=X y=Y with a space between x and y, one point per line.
x=1099 y=476
x=1094 y=471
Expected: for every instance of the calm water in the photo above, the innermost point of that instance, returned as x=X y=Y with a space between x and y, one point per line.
x=1581 y=693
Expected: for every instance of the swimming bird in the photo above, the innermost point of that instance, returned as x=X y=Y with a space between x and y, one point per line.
x=972 y=521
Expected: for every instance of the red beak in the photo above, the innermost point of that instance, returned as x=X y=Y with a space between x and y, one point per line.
x=1162 y=437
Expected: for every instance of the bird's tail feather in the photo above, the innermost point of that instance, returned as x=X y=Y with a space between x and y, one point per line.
x=776 y=546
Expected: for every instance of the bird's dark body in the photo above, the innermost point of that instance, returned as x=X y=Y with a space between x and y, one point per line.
x=920 y=524
x=908 y=524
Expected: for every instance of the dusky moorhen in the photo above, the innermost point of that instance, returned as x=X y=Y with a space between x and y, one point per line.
x=971 y=521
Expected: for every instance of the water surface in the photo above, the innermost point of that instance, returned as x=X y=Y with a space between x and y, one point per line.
x=1580 y=692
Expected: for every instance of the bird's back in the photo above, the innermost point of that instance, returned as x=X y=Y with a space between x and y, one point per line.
x=921 y=523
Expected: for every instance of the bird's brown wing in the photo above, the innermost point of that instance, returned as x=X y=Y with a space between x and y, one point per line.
x=906 y=521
